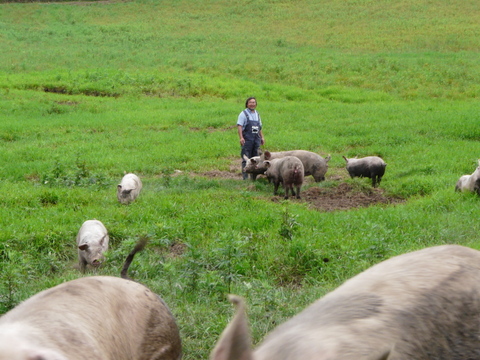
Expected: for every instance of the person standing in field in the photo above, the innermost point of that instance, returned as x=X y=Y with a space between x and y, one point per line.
x=249 y=127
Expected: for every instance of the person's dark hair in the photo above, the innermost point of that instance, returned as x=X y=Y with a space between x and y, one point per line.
x=250 y=98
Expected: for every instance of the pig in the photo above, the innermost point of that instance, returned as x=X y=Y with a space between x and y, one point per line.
x=129 y=188
x=287 y=170
x=372 y=167
x=420 y=305
x=97 y=317
x=252 y=167
x=92 y=242
x=470 y=182
x=313 y=164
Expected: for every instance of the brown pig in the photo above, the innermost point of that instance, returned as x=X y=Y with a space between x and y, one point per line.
x=98 y=317
x=287 y=170
x=421 y=305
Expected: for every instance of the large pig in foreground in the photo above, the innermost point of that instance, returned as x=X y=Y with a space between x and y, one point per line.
x=313 y=164
x=422 y=305
x=129 y=188
x=372 y=167
x=98 y=317
x=92 y=242
x=287 y=170
x=470 y=182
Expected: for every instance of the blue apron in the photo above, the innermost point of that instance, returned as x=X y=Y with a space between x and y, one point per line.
x=251 y=134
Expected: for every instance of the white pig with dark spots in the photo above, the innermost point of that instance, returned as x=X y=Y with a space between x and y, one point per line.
x=372 y=167
x=92 y=243
x=129 y=188
x=287 y=170
x=421 y=305
x=97 y=317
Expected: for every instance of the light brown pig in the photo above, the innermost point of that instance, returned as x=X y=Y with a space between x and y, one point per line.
x=98 y=317
x=421 y=305
x=287 y=170
x=313 y=164
x=252 y=167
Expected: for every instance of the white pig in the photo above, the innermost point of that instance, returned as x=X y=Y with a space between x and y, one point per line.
x=470 y=182
x=129 y=188
x=421 y=305
x=92 y=242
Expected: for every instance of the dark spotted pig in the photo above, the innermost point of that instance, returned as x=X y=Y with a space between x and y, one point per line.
x=313 y=164
x=372 y=167
x=287 y=170
x=129 y=188
x=470 y=182
x=422 y=305
x=92 y=242
x=98 y=317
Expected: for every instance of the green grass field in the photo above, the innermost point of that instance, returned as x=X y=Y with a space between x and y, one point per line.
x=89 y=90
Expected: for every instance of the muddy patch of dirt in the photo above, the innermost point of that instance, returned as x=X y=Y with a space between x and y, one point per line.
x=344 y=197
x=222 y=174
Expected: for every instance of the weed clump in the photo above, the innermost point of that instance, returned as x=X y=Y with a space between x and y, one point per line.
x=80 y=176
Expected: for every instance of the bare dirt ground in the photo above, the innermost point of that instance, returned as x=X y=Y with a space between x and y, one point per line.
x=344 y=196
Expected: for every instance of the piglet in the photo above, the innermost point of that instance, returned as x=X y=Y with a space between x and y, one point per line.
x=129 y=188
x=92 y=242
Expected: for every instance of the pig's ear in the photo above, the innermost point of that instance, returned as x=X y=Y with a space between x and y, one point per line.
x=345 y=158
x=267 y=154
x=253 y=161
x=103 y=239
x=245 y=157
x=235 y=342
x=383 y=356
x=119 y=187
x=267 y=163
x=83 y=246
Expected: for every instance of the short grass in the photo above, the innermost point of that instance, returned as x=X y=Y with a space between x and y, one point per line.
x=90 y=90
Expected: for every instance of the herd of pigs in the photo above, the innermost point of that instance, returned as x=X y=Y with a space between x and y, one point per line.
x=419 y=305
x=290 y=168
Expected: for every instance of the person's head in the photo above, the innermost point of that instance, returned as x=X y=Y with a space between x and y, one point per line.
x=251 y=103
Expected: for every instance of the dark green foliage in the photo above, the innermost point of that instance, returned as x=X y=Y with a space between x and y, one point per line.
x=289 y=225
x=79 y=175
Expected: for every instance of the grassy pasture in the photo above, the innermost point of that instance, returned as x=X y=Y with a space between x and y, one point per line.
x=92 y=89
